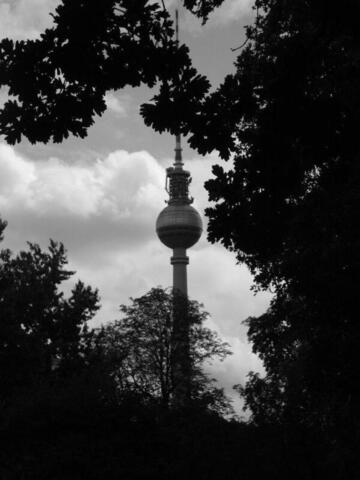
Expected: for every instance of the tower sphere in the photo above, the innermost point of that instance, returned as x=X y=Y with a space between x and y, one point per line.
x=179 y=226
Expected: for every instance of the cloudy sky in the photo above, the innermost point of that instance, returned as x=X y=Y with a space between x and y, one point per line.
x=100 y=196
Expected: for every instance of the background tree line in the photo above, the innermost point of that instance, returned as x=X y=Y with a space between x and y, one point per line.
x=81 y=402
x=63 y=382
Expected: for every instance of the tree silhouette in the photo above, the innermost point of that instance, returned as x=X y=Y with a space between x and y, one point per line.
x=139 y=348
x=57 y=83
x=42 y=332
x=288 y=209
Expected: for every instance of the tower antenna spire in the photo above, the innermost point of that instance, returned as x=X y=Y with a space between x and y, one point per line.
x=178 y=150
x=177 y=25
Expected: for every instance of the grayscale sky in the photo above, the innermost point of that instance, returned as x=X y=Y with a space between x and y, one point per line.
x=100 y=196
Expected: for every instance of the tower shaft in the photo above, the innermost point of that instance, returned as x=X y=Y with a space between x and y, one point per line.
x=180 y=351
x=179 y=227
x=179 y=261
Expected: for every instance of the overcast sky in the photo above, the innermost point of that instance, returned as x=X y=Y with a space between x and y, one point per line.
x=100 y=196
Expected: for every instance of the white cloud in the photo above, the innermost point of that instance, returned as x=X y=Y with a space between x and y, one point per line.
x=121 y=185
x=232 y=11
x=15 y=176
x=118 y=104
x=23 y=19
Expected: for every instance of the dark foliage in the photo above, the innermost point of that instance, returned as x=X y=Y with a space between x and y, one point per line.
x=67 y=433
x=57 y=84
x=72 y=438
x=42 y=332
x=68 y=409
x=293 y=109
x=289 y=209
x=139 y=352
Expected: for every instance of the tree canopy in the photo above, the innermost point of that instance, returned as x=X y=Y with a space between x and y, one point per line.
x=288 y=209
x=58 y=82
x=42 y=332
x=140 y=351
x=75 y=401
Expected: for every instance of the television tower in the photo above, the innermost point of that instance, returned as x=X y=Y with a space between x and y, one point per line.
x=179 y=227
